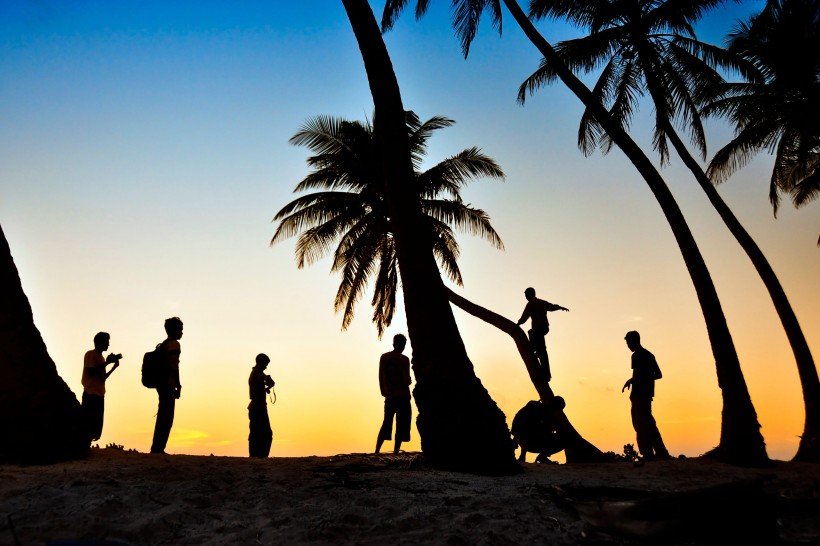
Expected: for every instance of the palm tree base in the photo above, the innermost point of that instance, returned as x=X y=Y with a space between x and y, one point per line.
x=462 y=429
x=746 y=457
x=809 y=449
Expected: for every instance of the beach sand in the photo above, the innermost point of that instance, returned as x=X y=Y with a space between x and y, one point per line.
x=125 y=497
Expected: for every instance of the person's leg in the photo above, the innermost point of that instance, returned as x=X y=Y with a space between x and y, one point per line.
x=165 y=419
x=641 y=408
x=386 y=430
x=539 y=347
x=403 y=416
x=267 y=436
x=256 y=433
x=93 y=409
x=658 y=446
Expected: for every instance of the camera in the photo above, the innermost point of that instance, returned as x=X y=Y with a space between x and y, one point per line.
x=115 y=357
x=269 y=383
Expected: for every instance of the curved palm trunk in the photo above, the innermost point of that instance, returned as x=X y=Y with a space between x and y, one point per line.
x=40 y=418
x=577 y=449
x=740 y=438
x=461 y=427
x=809 y=448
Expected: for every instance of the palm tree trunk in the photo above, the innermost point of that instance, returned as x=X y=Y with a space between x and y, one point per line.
x=576 y=448
x=40 y=418
x=809 y=448
x=740 y=438
x=461 y=427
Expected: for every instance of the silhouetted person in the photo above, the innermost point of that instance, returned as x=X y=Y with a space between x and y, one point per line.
x=394 y=382
x=645 y=371
x=93 y=380
x=259 y=385
x=536 y=310
x=169 y=388
x=536 y=429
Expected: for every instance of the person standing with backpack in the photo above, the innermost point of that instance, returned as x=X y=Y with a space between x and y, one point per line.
x=168 y=388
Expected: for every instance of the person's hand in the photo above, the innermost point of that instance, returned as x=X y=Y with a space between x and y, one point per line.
x=627 y=385
x=178 y=392
x=564 y=309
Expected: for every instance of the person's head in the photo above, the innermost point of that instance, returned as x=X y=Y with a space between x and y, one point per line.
x=529 y=293
x=173 y=327
x=399 y=342
x=262 y=361
x=633 y=340
x=101 y=341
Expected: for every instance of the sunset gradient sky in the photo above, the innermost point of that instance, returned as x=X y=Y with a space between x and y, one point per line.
x=144 y=150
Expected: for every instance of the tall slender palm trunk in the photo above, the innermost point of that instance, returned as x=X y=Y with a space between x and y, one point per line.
x=740 y=438
x=461 y=427
x=40 y=418
x=809 y=447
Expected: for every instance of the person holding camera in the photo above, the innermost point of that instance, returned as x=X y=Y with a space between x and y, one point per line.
x=93 y=380
x=259 y=385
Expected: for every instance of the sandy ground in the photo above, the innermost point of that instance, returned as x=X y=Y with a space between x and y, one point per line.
x=120 y=497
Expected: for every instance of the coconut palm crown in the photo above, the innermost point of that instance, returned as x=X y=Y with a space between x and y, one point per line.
x=350 y=211
x=780 y=111
x=639 y=45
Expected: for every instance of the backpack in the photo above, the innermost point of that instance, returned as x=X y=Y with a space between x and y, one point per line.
x=153 y=364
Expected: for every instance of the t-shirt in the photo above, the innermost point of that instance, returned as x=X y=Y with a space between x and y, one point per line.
x=645 y=371
x=93 y=373
x=394 y=374
x=536 y=309
x=172 y=352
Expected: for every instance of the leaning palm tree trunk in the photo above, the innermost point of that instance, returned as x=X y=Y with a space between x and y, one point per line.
x=461 y=427
x=40 y=418
x=809 y=448
x=740 y=438
x=576 y=448
x=542 y=387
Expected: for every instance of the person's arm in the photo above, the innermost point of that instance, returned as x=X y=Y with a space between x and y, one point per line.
x=656 y=370
x=114 y=367
x=407 y=379
x=627 y=385
x=555 y=307
x=525 y=315
x=382 y=378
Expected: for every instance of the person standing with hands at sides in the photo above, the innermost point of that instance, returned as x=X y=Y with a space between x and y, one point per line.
x=169 y=389
x=259 y=385
x=93 y=380
x=536 y=310
x=394 y=382
x=645 y=372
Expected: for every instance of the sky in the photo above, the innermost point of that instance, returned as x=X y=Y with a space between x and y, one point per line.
x=144 y=152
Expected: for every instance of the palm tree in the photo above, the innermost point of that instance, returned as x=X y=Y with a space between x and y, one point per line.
x=779 y=111
x=352 y=210
x=651 y=46
x=740 y=440
x=352 y=215
x=460 y=425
